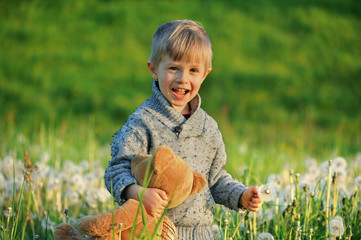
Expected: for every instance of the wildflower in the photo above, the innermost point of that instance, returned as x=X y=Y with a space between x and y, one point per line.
x=29 y=169
x=339 y=163
x=73 y=197
x=267 y=192
x=90 y=198
x=335 y=227
x=215 y=230
x=7 y=212
x=79 y=183
x=84 y=165
x=103 y=195
x=341 y=175
x=2 y=181
x=276 y=180
x=265 y=236
x=324 y=167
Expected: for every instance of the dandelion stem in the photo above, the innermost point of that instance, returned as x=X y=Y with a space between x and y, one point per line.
x=276 y=213
x=255 y=224
x=225 y=229
x=335 y=194
x=239 y=224
x=328 y=193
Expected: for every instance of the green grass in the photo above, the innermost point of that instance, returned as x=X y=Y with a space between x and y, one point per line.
x=41 y=200
x=277 y=63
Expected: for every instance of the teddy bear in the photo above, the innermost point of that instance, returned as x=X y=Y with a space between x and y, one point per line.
x=168 y=172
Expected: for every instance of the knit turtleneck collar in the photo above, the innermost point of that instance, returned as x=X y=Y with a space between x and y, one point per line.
x=167 y=114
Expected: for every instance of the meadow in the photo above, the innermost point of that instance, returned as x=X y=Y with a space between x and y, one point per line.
x=285 y=90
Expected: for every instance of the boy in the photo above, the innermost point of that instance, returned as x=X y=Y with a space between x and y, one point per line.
x=181 y=59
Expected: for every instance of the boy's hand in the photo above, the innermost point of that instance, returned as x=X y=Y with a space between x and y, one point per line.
x=154 y=199
x=251 y=200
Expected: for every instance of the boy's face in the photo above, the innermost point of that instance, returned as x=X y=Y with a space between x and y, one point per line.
x=179 y=81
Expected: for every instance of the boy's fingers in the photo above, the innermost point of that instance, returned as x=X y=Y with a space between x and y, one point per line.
x=254 y=207
x=162 y=194
x=256 y=200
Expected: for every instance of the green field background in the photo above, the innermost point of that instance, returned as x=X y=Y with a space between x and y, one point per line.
x=285 y=83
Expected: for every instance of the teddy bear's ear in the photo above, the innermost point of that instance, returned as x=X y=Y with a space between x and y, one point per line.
x=198 y=183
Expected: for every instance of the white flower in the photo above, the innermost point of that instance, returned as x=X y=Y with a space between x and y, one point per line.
x=265 y=236
x=72 y=196
x=276 y=180
x=103 y=195
x=2 y=181
x=339 y=163
x=324 y=167
x=267 y=192
x=215 y=230
x=335 y=227
x=84 y=165
x=341 y=175
x=90 y=198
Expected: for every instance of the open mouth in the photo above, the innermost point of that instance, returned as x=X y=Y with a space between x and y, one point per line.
x=180 y=91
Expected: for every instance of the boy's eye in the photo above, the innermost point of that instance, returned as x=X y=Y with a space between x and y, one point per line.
x=173 y=68
x=194 y=70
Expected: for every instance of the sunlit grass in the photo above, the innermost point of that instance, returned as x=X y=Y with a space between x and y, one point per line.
x=306 y=199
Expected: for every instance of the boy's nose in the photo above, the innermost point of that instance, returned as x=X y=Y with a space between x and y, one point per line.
x=182 y=77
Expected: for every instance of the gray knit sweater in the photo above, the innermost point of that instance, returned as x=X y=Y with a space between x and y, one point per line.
x=197 y=140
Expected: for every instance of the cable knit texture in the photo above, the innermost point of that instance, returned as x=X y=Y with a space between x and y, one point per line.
x=199 y=143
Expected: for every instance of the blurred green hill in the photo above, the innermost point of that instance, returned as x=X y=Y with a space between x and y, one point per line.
x=282 y=70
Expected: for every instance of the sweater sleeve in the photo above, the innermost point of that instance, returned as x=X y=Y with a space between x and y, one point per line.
x=225 y=190
x=126 y=144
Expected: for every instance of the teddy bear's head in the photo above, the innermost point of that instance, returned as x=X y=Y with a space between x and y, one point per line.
x=169 y=173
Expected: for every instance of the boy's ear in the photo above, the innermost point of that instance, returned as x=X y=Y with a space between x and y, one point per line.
x=153 y=70
x=207 y=72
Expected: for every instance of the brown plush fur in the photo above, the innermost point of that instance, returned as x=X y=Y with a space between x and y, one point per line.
x=169 y=173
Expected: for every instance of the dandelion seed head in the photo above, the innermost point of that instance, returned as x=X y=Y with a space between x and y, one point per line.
x=2 y=181
x=265 y=236
x=339 y=163
x=215 y=230
x=84 y=165
x=267 y=192
x=324 y=167
x=336 y=227
x=103 y=195
x=275 y=180
x=341 y=175
x=72 y=196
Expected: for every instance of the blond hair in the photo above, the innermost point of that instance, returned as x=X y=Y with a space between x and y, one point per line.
x=179 y=39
